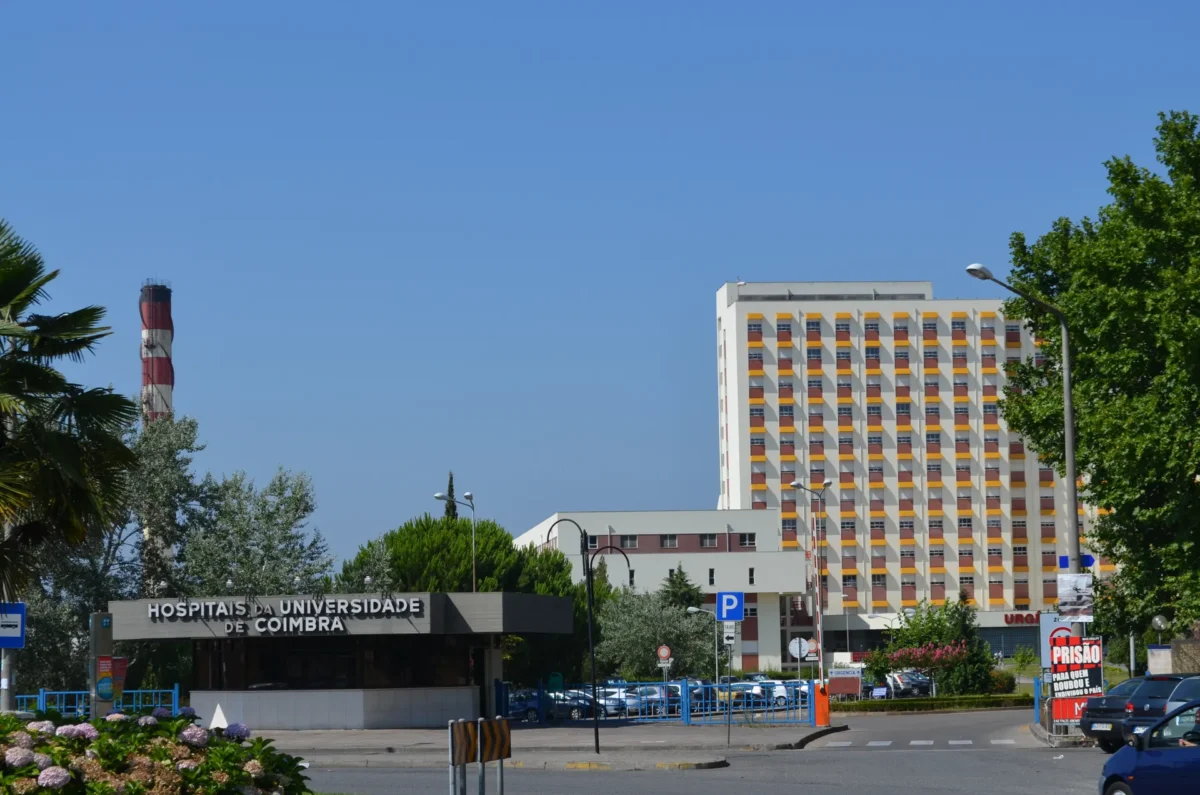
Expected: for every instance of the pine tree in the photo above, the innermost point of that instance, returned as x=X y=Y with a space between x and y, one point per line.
x=679 y=591
x=451 y=505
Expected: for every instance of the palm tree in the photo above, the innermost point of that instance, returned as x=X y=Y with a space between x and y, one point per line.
x=63 y=463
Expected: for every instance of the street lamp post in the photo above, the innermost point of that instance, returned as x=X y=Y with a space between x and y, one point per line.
x=820 y=556
x=1073 y=562
x=470 y=503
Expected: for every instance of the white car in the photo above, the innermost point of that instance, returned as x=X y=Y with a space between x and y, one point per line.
x=783 y=691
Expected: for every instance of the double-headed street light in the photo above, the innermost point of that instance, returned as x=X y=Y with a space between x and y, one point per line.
x=820 y=556
x=470 y=503
x=1073 y=562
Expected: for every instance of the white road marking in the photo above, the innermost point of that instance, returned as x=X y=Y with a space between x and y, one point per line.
x=962 y=742
x=879 y=743
x=1004 y=742
x=838 y=745
x=920 y=742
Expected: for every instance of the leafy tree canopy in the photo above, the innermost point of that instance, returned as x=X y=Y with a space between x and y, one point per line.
x=679 y=591
x=634 y=625
x=943 y=625
x=1129 y=285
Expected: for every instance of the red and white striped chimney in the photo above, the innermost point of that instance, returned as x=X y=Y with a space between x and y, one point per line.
x=158 y=332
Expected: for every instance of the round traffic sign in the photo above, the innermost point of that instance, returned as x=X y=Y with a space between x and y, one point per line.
x=798 y=648
x=664 y=652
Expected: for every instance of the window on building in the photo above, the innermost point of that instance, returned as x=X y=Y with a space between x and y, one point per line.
x=966 y=579
x=747 y=540
x=961 y=411
x=875 y=466
x=845 y=382
x=906 y=524
x=962 y=466
x=756 y=411
x=933 y=438
x=937 y=579
x=712 y=576
x=785 y=383
x=750 y=578
x=751 y=612
x=871 y=352
x=901 y=356
x=965 y=522
x=628 y=542
x=958 y=325
x=841 y=325
x=933 y=410
x=878 y=580
x=843 y=354
x=789 y=524
x=670 y=541
x=845 y=411
x=815 y=383
x=993 y=522
x=990 y=410
x=787 y=438
x=995 y=579
x=932 y=380
x=1018 y=524
x=709 y=540
x=874 y=410
x=900 y=325
x=848 y=524
x=754 y=327
x=871 y=325
x=849 y=580
x=631 y=582
x=787 y=410
x=786 y=328
x=1020 y=579
x=908 y=581
x=1020 y=550
x=874 y=440
x=813 y=354
x=816 y=467
x=933 y=466
x=904 y=439
x=991 y=440
x=758 y=441
x=903 y=409
x=670 y=572
x=931 y=354
x=812 y=325
x=756 y=356
x=1012 y=326
x=877 y=524
x=935 y=524
x=995 y=551
x=909 y=555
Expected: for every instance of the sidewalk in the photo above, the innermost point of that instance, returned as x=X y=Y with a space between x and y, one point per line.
x=623 y=746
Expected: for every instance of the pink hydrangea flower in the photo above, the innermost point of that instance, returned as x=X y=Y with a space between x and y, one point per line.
x=42 y=761
x=41 y=727
x=18 y=757
x=21 y=740
x=54 y=778
x=194 y=736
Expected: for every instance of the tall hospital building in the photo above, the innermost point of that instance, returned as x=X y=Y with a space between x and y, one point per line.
x=891 y=394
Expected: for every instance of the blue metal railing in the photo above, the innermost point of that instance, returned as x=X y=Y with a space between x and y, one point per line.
x=77 y=703
x=688 y=702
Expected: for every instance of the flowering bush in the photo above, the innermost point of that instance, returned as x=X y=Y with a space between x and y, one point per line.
x=929 y=658
x=152 y=755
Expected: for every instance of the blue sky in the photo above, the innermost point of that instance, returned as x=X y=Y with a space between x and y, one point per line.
x=412 y=237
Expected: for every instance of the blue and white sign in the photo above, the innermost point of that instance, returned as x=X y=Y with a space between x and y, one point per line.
x=1085 y=562
x=731 y=606
x=12 y=625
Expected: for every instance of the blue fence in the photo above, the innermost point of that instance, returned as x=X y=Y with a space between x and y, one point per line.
x=77 y=703
x=688 y=702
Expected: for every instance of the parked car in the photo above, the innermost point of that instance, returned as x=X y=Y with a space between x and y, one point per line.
x=1101 y=716
x=571 y=705
x=612 y=701
x=1148 y=704
x=906 y=684
x=1162 y=760
x=1188 y=690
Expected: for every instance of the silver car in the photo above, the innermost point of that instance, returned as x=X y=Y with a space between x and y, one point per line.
x=1187 y=690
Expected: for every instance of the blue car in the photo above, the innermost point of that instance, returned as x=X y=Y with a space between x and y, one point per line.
x=1162 y=760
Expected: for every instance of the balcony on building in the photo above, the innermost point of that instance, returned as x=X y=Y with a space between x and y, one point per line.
x=900 y=334
x=931 y=390
x=871 y=335
x=931 y=363
x=906 y=532
x=929 y=334
x=758 y=449
x=1045 y=476
x=815 y=392
x=1019 y=532
x=872 y=363
x=787 y=423
x=1018 y=478
x=966 y=533
x=785 y=363
x=962 y=475
x=906 y=503
x=758 y=477
x=787 y=477
x=1047 y=503
x=1021 y=560
x=816 y=478
x=816 y=422
x=1016 y=448
x=933 y=475
x=879 y=593
x=987 y=333
x=786 y=392
x=783 y=336
x=958 y=334
x=1012 y=336
x=846 y=506
x=756 y=391
x=903 y=390
x=958 y=361
x=995 y=560
x=937 y=560
x=988 y=361
x=996 y=591
x=759 y=505
x=875 y=448
x=933 y=419
x=787 y=506
x=1020 y=590
x=789 y=535
x=1049 y=560
x=878 y=535
x=874 y=390
x=845 y=421
x=991 y=447
x=908 y=593
x=813 y=335
x=754 y=336
x=904 y=448
x=814 y=504
x=1018 y=503
x=789 y=448
x=994 y=533
x=989 y=390
x=849 y=535
x=758 y=422
x=933 y=447
x=1049 y=590
x=845 y=477
x=756 y=362
x=964 y=503
x=876 y=476
x=844 y=391
x=935 y=503
x=877 y=505
x=968 y=591
x=962 y=447
x=849 y=594
x=843 y=365
x=937 y=591
x=842 y=336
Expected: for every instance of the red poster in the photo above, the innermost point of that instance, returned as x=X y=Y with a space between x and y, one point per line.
x=120 y=665
x=1066 y=710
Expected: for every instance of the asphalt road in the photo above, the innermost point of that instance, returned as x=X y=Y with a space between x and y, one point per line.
x=865 y=767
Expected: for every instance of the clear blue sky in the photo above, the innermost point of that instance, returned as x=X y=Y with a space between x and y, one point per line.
x=410 y=237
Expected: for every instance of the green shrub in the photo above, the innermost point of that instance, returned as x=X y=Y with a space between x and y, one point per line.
x=1003 y=681
x=931 y=704
x=134 y=756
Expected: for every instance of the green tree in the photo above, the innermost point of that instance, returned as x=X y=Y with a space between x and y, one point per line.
x=62 y=460
x=1025 y=660
x=634 y=625
x=257 y=539
x=1129 y=285
x=679 y=591
x=451 y=505
x=942 y=625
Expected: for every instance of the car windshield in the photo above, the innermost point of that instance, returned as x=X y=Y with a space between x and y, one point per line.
x=1156 y=688
x=1188 y=690
x=1125 y=688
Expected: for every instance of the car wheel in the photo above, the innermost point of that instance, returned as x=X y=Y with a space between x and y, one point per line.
x=781 y=701
x=1108 y=746
x=576 y=713
x=1118 y=788
x=531 y=715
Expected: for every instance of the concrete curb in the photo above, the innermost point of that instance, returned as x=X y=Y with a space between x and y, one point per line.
x=930 y=712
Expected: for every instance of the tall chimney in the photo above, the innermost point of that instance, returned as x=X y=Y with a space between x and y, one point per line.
x=158 y=332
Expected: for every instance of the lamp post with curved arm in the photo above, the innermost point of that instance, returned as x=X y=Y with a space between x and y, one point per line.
x=470 y=503
x=820 y=562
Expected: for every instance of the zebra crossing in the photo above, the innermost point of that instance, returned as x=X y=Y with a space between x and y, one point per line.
x=894 y=744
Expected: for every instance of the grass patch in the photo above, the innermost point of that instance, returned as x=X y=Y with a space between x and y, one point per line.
x=935 y=704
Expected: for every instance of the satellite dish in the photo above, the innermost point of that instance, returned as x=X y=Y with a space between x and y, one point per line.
x=1159 y=623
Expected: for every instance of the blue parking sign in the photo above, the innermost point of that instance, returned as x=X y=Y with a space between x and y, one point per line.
x=1085 y=562
x=12 y=625
x=731 y=606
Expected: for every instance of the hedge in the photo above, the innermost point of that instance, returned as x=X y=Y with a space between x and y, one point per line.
x=934 y=704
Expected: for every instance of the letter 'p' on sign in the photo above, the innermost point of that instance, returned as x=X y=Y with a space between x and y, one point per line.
x=731 y=606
